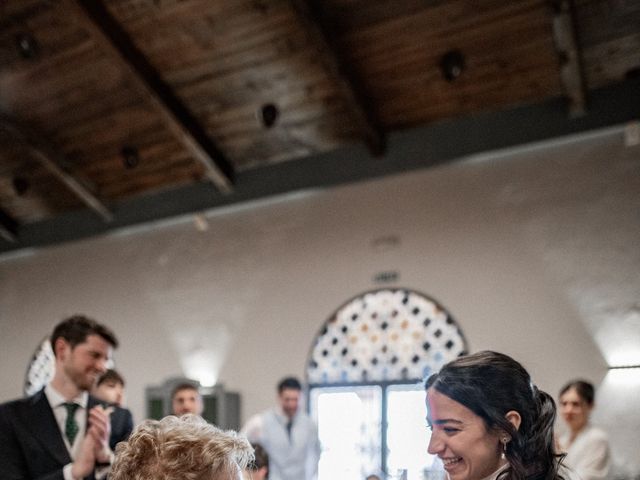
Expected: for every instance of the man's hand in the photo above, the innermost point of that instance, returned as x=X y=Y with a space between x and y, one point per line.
x=99 y=427
x=84 y=464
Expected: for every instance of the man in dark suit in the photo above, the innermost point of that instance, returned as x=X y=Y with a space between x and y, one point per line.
x=61 y=432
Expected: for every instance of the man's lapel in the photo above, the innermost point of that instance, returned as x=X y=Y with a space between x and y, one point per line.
x=44 y=427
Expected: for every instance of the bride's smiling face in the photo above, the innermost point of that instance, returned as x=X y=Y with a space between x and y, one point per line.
x=461 y=440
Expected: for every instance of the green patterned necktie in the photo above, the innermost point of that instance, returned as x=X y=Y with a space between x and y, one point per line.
x=70 y=425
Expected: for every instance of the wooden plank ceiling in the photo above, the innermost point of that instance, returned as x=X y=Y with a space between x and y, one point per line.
x=105 y=102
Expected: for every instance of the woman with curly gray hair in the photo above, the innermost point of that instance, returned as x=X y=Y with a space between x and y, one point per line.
x=185 y=448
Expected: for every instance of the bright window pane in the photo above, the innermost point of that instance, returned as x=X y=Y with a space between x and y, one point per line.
x=349 y=430
x=408 y=435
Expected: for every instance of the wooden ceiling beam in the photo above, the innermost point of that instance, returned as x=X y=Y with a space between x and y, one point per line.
x=571 y=72
x=323 y=38
x=8 y=227
x=50 y=158
x=423 y=147
x=109 y=35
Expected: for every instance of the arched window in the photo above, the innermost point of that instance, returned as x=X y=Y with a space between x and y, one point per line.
x=365 y=372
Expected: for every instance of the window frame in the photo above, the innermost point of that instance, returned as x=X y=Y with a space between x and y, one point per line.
x=384 y=421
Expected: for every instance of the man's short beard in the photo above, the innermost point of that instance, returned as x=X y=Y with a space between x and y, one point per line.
x=79 y=380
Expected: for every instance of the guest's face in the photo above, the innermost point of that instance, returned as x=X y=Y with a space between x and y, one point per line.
x=187 y=401
x=289 y=400
x=460 y=439
x=110 y=391
x=85 y=362
x=575 y=411
x=259 y=474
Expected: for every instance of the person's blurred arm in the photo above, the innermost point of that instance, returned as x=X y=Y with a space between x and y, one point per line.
x=313 y=453
x=254 y=429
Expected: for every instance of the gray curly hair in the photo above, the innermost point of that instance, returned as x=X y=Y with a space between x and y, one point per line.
x=185 y=448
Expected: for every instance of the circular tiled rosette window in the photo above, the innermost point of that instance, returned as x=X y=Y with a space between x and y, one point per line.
x=384 y=335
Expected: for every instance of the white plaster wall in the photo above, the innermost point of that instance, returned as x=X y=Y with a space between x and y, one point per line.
x=514 y=244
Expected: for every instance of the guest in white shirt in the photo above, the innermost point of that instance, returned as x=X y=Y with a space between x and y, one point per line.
x=288 y=435
x=586 y=446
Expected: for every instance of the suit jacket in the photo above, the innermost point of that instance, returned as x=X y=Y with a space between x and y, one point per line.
x=31 y=445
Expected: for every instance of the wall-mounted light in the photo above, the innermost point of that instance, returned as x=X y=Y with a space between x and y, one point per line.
x=452 y=65
x=623 y=377
x=130 y=157
x=27 y=45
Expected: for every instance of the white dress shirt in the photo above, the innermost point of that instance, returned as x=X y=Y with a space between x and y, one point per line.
x=56 y=402
x=293 y=455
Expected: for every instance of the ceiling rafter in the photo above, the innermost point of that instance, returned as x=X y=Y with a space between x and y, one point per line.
x=114 y=40
x=309 y=14
x=50 y=158
x=566 y=41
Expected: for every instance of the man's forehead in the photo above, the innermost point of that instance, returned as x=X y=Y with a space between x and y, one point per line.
x=290 y=392
x=186 y=393
x=95 y=343
x=95 y=340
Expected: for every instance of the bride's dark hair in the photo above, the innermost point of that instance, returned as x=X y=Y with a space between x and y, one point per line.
x=490 y=384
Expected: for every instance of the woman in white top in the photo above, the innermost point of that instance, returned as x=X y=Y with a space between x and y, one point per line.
x=489 y=421
x=586 y=446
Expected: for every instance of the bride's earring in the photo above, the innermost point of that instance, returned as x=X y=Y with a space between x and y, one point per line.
x=504 y=440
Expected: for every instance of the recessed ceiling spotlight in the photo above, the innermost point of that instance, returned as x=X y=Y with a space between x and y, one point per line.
x=20 y=185
x=261 y=6
x=27 y=45
x=452 y=65
x=130 y=157
x=268 y=115
x=632 y=73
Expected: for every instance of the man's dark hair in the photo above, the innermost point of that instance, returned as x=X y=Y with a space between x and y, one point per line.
x=584 y=389
x=261 y=458
x=184 y=386
x=77 y=328
x=291 y=383
x=110 y=376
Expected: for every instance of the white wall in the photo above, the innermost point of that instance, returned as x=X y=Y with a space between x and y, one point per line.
x=513 y=244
